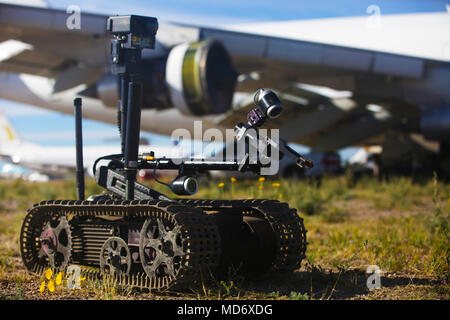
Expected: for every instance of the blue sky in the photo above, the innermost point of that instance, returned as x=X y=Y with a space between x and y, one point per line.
x=224 y=11
x=50 y=128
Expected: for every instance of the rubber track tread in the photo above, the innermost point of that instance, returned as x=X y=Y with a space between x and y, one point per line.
x=199 y=235
x=290 y=232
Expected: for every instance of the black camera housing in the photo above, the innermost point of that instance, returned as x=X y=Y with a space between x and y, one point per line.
x=140 y=31
x=131 y=34
x=269 y=103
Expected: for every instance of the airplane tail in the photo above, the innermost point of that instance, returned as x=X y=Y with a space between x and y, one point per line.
x=8 y=135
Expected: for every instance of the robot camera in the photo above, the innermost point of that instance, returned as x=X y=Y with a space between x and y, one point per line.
x=140 y=31
x=184 y=186
x=269 y=103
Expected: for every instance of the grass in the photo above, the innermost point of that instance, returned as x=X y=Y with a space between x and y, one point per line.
x=402 y=226
x=108 y=288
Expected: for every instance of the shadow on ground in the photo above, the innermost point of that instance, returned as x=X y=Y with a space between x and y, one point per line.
x=312 y=283
x=321 y=284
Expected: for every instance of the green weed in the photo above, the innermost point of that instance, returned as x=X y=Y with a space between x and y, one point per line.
x=299 y=296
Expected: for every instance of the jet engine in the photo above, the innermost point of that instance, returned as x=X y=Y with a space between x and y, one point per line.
x=196 y=78
x=435 y=123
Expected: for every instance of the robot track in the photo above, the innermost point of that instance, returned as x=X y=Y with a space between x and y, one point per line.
x=157 y=245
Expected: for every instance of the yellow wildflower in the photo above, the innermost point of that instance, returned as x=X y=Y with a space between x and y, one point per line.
x=275 y=184
x=262 y=179
x=42 y=287
x=51 y=286
x=49 y=273
x=233 y=179
x=58 y=280
x=220 y=185
x=280 y=195
x=260 y=187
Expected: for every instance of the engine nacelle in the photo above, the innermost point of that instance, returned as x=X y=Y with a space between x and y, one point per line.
x=155 y=92
x=196 y=78
x=435 y=123
x=200 y=78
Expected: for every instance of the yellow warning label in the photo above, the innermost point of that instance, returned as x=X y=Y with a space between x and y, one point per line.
x=9 y=133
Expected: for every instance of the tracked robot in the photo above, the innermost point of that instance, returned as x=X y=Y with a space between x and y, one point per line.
x=145 y=238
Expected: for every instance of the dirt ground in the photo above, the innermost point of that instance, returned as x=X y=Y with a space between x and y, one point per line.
x=319 y=279
x=350 y=285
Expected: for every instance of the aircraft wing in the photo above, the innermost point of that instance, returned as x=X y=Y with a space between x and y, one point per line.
x=47 y=42
x=345 y=81
x=37 y=41
x=337 y=92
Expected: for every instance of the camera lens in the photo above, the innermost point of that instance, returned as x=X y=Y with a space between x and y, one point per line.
x=185 y=186
x=269 y=103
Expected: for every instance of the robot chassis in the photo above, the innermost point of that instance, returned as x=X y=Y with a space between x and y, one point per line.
x=144 y=238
